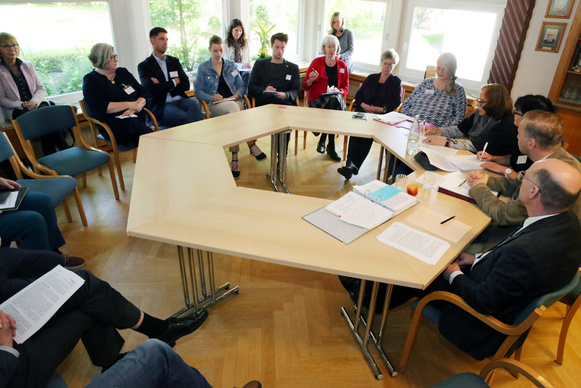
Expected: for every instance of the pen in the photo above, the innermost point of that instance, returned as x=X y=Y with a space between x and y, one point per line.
x=464 y=181
x=483 y=150
x=446 y=220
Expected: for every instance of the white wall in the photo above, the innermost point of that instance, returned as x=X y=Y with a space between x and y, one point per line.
x=536 y=69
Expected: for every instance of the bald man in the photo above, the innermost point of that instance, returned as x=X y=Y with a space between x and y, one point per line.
x=541 y=257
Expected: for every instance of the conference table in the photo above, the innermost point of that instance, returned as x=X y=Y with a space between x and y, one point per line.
x=184 y=194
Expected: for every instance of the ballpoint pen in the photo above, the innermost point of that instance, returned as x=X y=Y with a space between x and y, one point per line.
x=464 y=181
x=446 y=220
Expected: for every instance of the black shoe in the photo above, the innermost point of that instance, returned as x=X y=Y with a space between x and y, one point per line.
x=333 y=154
x=321 y=147
x=346 y=172
x=316 y=133
x=179 y=327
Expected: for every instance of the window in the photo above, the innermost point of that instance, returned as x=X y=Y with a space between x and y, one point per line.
x=366 y=19
x=281 y=16
x=57 y=38
x=467 y=29
x=190 y=24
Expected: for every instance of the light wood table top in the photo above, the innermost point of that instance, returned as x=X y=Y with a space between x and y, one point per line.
x=184 y=194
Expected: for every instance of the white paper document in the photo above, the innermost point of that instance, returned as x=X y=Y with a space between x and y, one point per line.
x=224 y=100
x=123 y=117
x=357 y=210
x=33 y=306
x=394 y=118
x=420 y=245
x=10 y=201
x=446 y=159
x=386 y=195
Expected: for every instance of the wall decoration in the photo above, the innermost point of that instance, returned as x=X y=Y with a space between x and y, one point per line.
x=559 y=9
x=550 y=37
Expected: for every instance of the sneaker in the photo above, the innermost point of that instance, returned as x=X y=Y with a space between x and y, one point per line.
x=73 y=262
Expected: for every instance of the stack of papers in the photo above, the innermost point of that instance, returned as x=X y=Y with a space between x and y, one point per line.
x=386 y=195
x=356 y=210
x=455 y=184
x=446 y=159
x=396 y=119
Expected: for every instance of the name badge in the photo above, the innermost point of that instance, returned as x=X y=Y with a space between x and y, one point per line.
x=288 y=77
x=129 y=89
x=235 y=73
x=429 y=91
x=521 y=159
x=173 y=74
x=342 y=71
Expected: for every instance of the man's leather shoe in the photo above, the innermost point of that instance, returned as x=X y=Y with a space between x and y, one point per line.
x=321 y=147
x=333 y=154
x=179 y=327
x=346 y=172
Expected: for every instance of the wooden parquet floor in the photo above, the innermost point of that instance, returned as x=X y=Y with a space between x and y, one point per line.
x=284 y=328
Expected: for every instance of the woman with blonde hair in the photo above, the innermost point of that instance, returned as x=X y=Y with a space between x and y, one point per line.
x=345 y=37
x=440 y=101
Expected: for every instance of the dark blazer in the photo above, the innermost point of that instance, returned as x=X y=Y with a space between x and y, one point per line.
x=388 y=95
x=259 y=79
x=157 y=93
x=539 y=259
x=501 y=138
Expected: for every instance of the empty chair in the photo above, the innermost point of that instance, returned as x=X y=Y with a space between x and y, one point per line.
x=73 y=161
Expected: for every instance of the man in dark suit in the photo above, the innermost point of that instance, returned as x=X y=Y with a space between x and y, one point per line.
x=164 y=79
x=274 y=80
x=541 y=257
x=93 y=314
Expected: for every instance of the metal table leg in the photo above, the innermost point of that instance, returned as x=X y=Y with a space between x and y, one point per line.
x=198 y=282
x=273 y=160
x=367 y=324
x=282 y=156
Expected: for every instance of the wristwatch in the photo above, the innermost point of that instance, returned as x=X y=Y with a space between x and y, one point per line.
x=507 y=172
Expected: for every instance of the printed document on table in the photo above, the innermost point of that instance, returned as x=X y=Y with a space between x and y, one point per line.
x=357 y=210
x=33 y=306
x=439 y=157
x=393 y=118
x=430 y=220
x=466 y=162
x=420 y=245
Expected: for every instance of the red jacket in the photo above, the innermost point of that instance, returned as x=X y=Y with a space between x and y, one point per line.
x=319 y=86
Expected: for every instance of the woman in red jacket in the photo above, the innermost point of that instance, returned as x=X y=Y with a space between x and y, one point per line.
x=327 y=85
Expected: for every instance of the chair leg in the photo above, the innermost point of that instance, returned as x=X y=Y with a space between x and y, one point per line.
x=80 y=206
x=565 y=328
x=67 y=210
x=345 y=144
x=305 y=141
x=296 y=141
x=135 y=155
x=84 y=179
x=119 y=170
x=113 y=179
x=410 y=340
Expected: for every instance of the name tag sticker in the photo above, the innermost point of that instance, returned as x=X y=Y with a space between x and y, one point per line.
x=521 y=159
x=288 y=77
x=429 y=91
x=342 y=71
x=234 y=73
x=129 y=90
x=173 y=74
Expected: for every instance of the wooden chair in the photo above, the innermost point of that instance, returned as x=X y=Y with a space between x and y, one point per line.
x=345 y=138
x=57 y=188
x=430 y=72
x=73 y=161
x=473 y=380
x=516 y=332
x=116 y=148
x=203 y=104
x=573 y=302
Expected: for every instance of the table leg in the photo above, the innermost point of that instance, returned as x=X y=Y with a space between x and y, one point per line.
x=380 y=163
x=367 y=324
x=201 y=278
x=273 y=160
x=282 y=156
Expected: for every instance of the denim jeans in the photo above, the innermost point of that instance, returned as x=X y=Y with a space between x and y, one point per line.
x=184 y=111
x=152 y=364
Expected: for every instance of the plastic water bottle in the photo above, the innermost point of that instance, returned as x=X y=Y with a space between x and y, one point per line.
x=413 y=138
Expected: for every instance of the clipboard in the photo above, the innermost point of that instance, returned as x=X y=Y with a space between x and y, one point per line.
x=21 y=192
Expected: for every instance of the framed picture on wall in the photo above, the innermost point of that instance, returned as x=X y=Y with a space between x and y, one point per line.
x=559 y=9
x=550 y=37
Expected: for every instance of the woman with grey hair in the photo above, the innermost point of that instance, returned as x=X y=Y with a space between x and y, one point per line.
x=114 y=97
x=345 y=37
x=326 y=84
x=440 y=101
x=380 y=93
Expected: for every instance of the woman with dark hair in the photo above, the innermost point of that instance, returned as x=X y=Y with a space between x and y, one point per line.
x=510 y=165
x=115 y=97
x=492 y=123
x=237 y=45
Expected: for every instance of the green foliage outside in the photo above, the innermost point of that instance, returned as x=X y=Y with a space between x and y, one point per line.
x=362 y=19
x=190 y=29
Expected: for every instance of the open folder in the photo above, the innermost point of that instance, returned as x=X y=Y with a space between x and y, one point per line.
x=11 y=199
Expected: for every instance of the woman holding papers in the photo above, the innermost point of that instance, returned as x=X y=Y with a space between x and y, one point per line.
x=115 y=97
x=510 y=165
x=219 y=83
x=327 y=84
x=492 y=124
x=379 y=93
x=440 y=101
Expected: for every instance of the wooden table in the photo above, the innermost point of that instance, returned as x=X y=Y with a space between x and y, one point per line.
x=184 y=194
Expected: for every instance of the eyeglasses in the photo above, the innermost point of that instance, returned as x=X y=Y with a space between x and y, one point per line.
x=113 y=57
x=534 y=184
x=9 y=46
x=480 y=101
x=516 y=112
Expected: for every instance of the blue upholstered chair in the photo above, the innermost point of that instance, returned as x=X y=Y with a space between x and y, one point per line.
x=73 y=161
x=116 y=148
x=573 y=302
x=57 y=188
x=516 y=332
x=473 y=380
